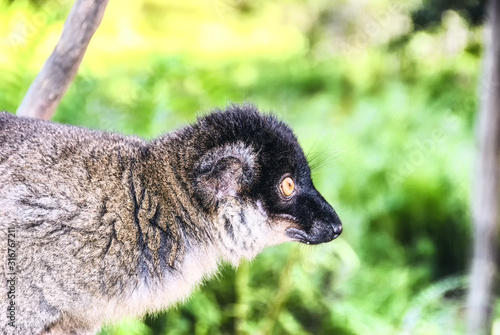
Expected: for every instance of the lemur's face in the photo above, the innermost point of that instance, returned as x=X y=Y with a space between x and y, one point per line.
x=289 y=196
x=256 y=158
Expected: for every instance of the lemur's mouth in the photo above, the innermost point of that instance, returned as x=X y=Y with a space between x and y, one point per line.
x=320 y=233
x=302 y=237
x=298 y=235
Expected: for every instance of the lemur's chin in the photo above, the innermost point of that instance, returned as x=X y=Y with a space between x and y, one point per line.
x=302 y=237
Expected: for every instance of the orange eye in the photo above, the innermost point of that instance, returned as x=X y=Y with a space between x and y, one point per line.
x=287 y=186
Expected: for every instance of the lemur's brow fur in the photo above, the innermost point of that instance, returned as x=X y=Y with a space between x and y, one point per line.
x=108 y=226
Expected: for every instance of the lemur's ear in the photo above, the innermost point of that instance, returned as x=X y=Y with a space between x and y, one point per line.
x=223 y=172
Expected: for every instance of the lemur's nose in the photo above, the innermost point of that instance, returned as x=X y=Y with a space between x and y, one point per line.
x=336 y=224
x=337 y=229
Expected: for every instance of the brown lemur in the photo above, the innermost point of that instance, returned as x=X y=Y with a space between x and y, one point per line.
x=106 y=226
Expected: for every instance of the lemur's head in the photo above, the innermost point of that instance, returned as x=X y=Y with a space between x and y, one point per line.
x=250 y=160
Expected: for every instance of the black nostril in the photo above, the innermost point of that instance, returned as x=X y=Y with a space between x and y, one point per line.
x=337 y=229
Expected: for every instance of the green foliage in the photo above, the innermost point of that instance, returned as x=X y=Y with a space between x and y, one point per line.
x=430 y=13
x=388 y=129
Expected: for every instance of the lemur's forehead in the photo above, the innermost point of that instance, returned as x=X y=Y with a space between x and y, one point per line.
x=269 y=138
x=246 y=124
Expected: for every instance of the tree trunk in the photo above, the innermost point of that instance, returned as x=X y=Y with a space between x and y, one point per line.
x=485 y=205
x=59 y=70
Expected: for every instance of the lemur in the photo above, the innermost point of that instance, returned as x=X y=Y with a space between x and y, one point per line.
x=96 y=226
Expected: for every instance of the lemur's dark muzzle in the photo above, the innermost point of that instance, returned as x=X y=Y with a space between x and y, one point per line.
x=319 y=223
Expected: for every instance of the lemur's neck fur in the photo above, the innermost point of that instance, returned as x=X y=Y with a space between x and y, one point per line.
x=162 y=195
x=178 y=243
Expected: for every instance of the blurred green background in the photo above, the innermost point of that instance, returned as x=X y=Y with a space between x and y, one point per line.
x=383 y=97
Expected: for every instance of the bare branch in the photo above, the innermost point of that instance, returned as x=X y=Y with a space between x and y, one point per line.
x=59 y=70
x=486 y=193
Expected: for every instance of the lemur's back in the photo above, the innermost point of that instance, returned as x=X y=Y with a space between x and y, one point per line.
x=54 y=182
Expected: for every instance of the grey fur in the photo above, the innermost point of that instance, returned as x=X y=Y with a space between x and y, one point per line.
x=108 y=226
